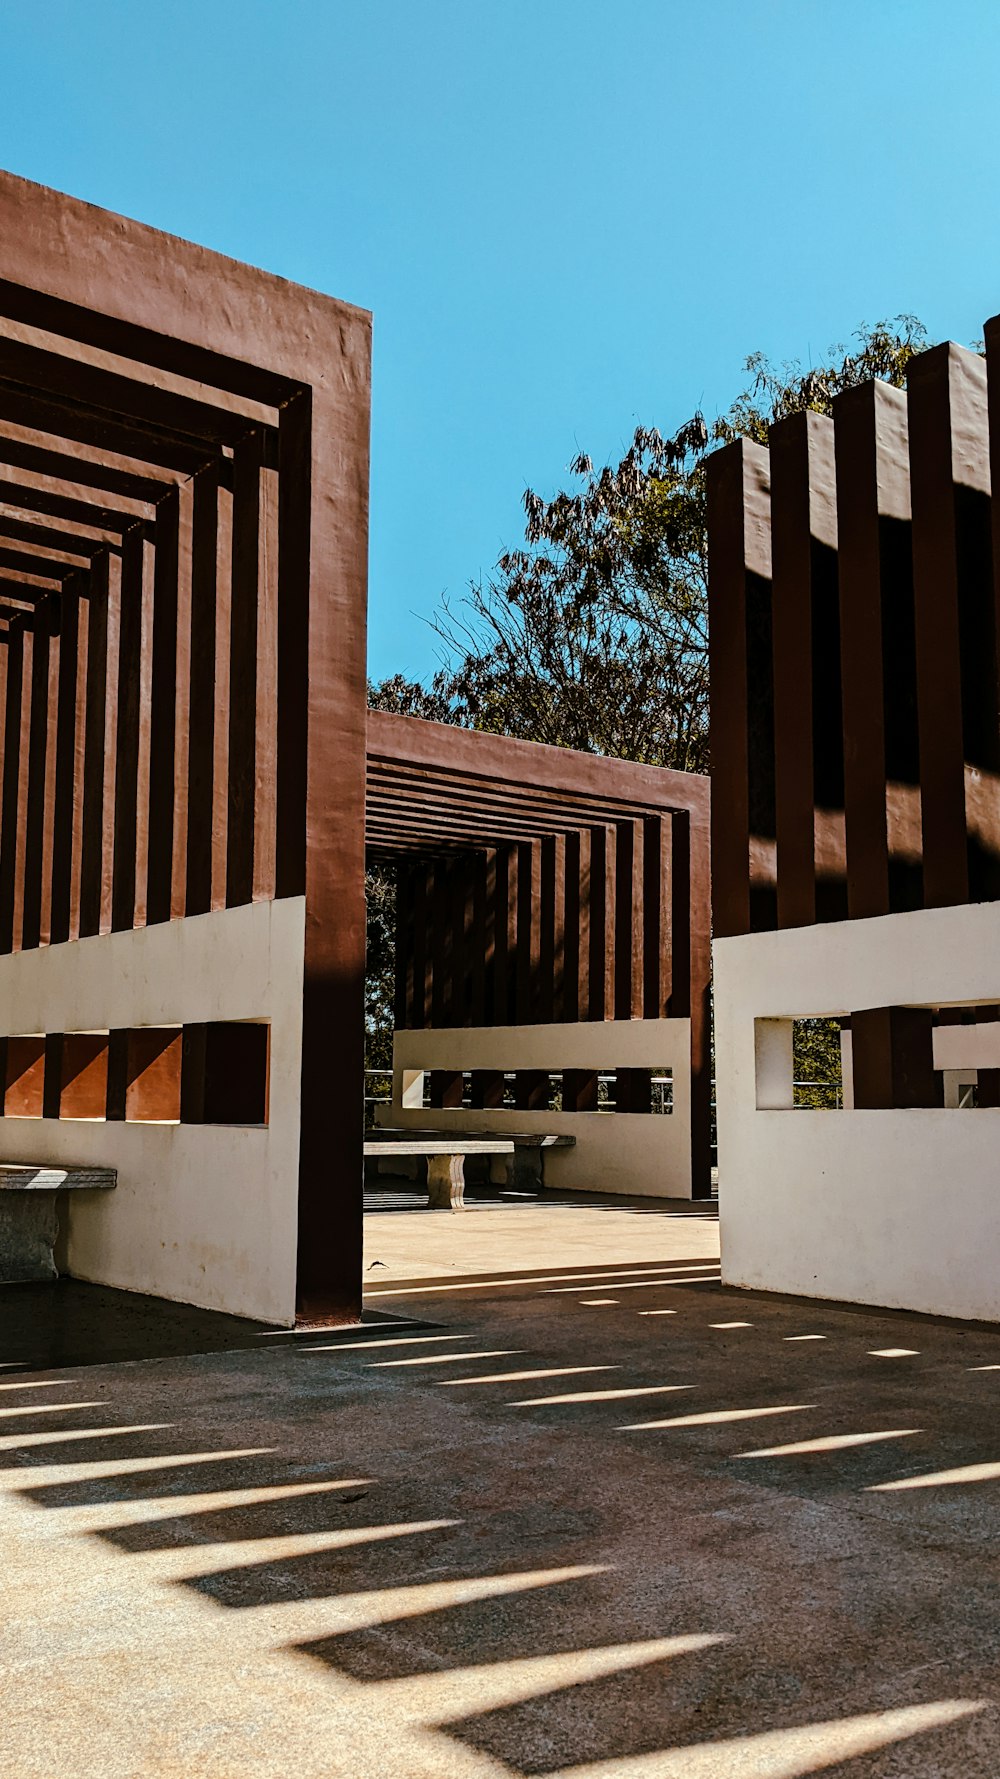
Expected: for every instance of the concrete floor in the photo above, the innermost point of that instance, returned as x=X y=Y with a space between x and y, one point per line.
x=587 y=1514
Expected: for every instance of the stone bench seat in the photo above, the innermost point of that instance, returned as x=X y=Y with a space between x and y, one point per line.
x=445 y=1153
x=29 y=1221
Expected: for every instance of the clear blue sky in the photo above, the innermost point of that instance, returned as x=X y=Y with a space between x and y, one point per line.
x=566 y=215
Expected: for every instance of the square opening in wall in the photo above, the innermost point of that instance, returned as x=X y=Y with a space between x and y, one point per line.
x=817 y=1066
x=24 y=1077
x=153 y=1075
x=225 y=1073
x=798 y=1064
x=83 y=1075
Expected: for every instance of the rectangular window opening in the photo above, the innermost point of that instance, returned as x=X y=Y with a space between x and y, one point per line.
x=83 y=1076
x=24 y=1076
x=817 y=1065
x=153 y=1074
x=225 y=1073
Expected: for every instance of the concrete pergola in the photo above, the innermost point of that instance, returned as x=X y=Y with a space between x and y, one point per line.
x=542 y=888
x=186 y=759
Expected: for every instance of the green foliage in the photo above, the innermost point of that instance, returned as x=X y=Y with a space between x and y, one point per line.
x=883 y=353
x=594 y=633
x=404 y=697
x=816 y=1067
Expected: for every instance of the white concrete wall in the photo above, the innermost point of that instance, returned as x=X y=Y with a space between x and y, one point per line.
x=205 y=1215
x=896 y=1208
x=645 y=1154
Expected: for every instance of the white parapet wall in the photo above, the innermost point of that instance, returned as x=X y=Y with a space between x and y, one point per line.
x=646 y=1154
x=202 y=1214
x=894 y=1208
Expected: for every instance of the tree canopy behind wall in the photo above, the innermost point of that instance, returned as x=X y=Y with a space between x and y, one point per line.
x=593 y=632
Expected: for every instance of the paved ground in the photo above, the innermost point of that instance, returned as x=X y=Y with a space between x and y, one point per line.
x=585 y=1514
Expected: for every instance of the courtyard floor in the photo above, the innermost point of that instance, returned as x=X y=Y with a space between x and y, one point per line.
x=580 y=1511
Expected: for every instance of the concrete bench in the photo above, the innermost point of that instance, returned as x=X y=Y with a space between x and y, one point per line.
x=29 y=1221
x=445 y=1153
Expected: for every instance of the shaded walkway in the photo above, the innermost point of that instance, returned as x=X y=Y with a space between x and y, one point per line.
x=596 y=1517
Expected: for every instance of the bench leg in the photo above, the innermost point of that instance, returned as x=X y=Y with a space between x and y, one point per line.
x=524 y=1171
x=446 y=1182
x=28 y=1230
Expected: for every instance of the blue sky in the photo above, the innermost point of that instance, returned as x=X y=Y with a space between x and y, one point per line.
x=566 y=215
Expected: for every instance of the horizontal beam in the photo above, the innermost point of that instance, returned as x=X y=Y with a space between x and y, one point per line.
x=460 y=754
x=89 y=387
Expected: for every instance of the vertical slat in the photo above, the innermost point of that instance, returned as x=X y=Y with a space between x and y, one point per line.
x=321 y=695
x=203 y=692
x=294 y=503
x=489 y=932
x=38 y=739
x=692 y=969
x=570 y=1007
x=96 y=696
x=441 y=941
x=61 y=878
x=419 y=1014
x=145 y=730
x=586 y=921
x=477 y=944
x=683 y=883
x=243 y=670
x=742 y=710
x=11 y=776
x=164 y=679
x=892 y=1055
x=528 y=940
x=956 y=633
x=881 y=794
x=603 y=923
x=267 y=690
x=459 y=923
x=656 y=915
x=223 y=685
x=112 y=676
x=127 y=740
x=628 y=920
x=547 y=929
x=182 y=703
x=808 y=740
x=54 y=616
x=79 y=756
x=52 y=1077
x=558 y=972
x=503 y=956
x=23 y=760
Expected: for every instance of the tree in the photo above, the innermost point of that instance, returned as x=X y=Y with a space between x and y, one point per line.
x=594 y=633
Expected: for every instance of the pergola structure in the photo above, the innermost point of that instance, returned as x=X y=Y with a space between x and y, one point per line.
x=183 y=538
x=854 y=570
x=186 y=759
x=542 y=887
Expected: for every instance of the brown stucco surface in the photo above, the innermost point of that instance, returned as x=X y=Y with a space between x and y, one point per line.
x=304 y=1554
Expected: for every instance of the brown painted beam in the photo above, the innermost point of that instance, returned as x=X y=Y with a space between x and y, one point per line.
x=808 y=724
x=741 y=672
x=38 y=741
x=162 y=711
x=11 y=763
x=96 y=695
x=956 y=630
x=127 y=734
x=247 y=466
x=878 y=670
